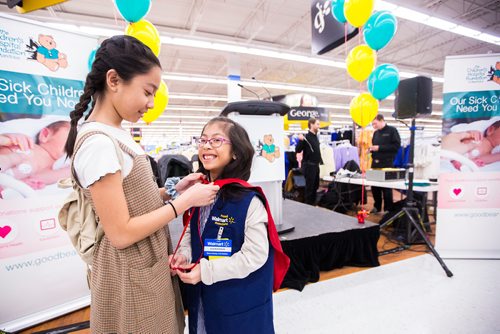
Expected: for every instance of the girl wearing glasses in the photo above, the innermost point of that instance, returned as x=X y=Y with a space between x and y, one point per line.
x=225 y=255
x=132 y=290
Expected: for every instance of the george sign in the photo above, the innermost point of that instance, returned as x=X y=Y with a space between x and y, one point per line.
x=304 y=113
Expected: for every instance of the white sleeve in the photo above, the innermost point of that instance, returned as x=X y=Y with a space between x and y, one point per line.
x=95 y=158
x=252 y=255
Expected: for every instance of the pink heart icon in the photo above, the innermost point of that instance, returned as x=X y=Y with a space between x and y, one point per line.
x=4 y=231
x=457 y=191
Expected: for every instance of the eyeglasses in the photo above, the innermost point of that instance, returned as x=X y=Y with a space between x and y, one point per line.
x=214 y=142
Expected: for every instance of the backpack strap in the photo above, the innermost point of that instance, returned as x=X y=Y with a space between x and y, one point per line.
x=119 y=147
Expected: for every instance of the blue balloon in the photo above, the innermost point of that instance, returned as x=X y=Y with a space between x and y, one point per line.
x=383 y=81
x=91 y=59
x=380 y=29
x=338 y=10
x=133 y=10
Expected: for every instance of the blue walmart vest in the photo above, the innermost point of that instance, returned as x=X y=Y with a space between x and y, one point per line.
x=235 y=305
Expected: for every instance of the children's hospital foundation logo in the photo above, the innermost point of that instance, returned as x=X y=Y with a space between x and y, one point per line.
x=267 y=149
x=494 y=73
x=44 y=51
x=479 y=74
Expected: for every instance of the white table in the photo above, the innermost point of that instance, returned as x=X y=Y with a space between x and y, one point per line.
x=393 y=184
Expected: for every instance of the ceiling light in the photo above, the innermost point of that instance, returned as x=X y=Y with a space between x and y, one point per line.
x=185 y=117
x=438 y=23
x=489 y=38
x=192 y=108
x=191 y=78
x=237 y=48
x=197 y=97
x=174 y=123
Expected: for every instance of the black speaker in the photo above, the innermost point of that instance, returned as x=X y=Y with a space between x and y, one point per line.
x=413 y=97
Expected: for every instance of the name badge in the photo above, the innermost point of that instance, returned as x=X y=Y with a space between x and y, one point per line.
x=214 y=247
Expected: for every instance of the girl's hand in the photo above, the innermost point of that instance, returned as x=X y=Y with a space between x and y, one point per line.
x=192 y=277
x=176 y=262
x=200 y=194
x=188 y=181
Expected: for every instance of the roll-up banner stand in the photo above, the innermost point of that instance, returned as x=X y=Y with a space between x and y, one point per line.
x=468 y=217
x=42 y=73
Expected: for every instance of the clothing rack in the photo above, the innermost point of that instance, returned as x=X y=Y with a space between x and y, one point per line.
x=340 y=142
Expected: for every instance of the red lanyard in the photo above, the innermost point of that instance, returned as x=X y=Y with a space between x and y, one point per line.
x=186 y=218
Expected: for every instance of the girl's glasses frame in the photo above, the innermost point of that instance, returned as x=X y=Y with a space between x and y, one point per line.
x=215 y=142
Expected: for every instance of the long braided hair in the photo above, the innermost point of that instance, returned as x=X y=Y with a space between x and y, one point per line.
x=128 y=57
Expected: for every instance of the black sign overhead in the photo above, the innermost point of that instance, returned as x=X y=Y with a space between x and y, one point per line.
x=304 y=113
x=327 y=32
x=14 y=3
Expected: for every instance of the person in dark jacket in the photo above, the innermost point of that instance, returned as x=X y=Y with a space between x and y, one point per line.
x=386 y=142
x=309 y=144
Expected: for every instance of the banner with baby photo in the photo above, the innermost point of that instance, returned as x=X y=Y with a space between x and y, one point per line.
x=468 y=216
x=42 y=73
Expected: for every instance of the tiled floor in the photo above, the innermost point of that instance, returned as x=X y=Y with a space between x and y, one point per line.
x=410 y=296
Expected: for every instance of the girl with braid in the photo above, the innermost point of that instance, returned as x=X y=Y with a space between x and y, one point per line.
x=132 y=290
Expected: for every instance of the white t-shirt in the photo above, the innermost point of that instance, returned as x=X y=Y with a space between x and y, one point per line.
x=97 y=155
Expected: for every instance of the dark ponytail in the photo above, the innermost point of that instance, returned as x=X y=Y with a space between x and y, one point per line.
x=128 y=57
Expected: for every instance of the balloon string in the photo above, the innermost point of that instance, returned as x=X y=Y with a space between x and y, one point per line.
x=114 y=12
x=345 y=55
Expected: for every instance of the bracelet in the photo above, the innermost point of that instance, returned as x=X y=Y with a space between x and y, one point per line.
x=173 y=207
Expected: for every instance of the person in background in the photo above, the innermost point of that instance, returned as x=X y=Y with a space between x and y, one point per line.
x=309 y=144
x=131 y=288
x=386 y=142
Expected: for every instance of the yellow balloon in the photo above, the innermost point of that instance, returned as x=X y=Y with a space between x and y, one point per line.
x=357 y=12
x=146 y=32
x=363 y=108
x=161 y=102
x=360 y=62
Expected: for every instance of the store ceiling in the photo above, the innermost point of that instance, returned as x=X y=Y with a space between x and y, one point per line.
x=282 y=26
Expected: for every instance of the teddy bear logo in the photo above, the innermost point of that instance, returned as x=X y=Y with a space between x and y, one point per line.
x=494 y=73
x=44 y=51
x=269 y=150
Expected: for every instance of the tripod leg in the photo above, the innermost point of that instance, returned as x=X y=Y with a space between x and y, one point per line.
x=393 y=218
x=427 y=241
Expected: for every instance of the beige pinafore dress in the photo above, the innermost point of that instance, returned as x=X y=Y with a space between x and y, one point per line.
x=132 y=290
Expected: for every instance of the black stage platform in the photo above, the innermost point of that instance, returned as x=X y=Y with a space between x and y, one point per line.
x=321 y=241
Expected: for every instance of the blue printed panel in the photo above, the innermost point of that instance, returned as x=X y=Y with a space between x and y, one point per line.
x=22 y=93
x=482 y=104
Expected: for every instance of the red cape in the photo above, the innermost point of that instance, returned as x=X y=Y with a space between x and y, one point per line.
x=281 y=260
